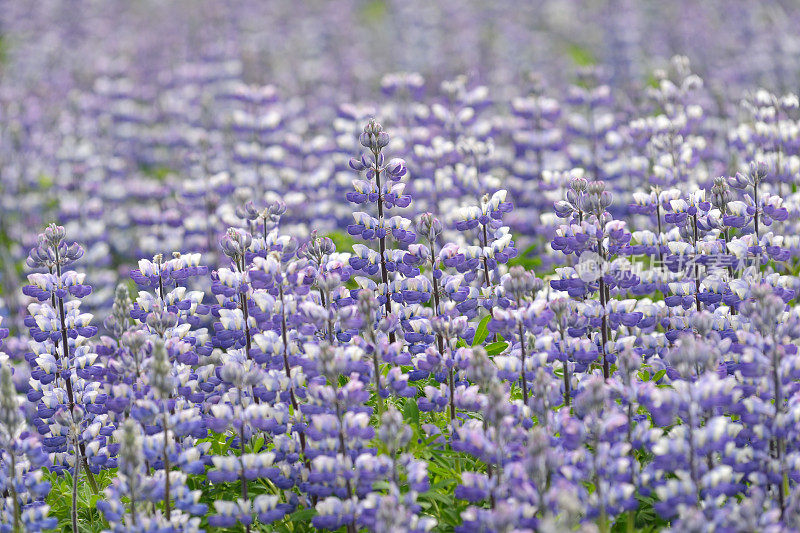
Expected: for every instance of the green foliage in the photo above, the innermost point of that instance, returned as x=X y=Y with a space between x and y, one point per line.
x=496 y=348
x=373 y=12
x=4 y=46
x=581 y=55
x=411 y=413
x=158 y=173
x=60 y=501
x=645 y=518
x=445 y=467
x=45 y=181
x=344 y=241
x=528 y=259
x=482 y=331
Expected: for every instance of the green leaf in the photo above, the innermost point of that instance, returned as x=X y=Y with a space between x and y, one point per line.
x=381 y=485
x=580 y=55
x=435 y=495
x=496 y=348
x=374 y=11
x=302 y=515
x=343 y=241
x=529 y=251
x=411 y=412
x=660 y=374
x=528 y=259
x=482 y=331
x=644 y=375
x=429 y=441
x=258 y=443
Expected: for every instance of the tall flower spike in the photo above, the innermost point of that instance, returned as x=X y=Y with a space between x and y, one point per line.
x=752 y=179
x=131 y=462
x=11 y=420
x=163 y=385
x=235 y=245
x=61 y=333
x=119 y=320
x=383 y=187
x=22 y=505
x=393 y=431
x=162 y=381
x=11 y=425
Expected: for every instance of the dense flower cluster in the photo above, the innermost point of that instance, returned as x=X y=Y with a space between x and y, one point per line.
x=560 y=302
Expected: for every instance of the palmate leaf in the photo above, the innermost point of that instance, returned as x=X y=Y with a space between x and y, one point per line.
x=90 y=520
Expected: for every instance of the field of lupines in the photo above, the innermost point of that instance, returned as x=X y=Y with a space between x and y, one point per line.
x=399 y=266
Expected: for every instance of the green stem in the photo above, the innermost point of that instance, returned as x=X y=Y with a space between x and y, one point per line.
x=12 y=487
x=288 y=370
x=241 y=460
x=382 y=243
x=80 y=451
x=75 y=473
x=166 y=467
x=377 y=371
